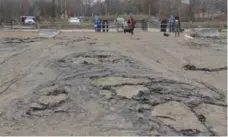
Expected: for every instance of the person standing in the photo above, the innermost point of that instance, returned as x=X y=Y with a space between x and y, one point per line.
x=177 y=26
x=171 y=23
x=131 y=23
x=2 y=22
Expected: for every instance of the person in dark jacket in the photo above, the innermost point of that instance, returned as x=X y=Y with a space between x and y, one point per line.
x=131 y=26
x=131 y=22
x=177 y=26
x=2 y=22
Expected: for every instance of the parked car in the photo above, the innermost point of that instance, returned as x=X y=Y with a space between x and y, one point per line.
x=82 y=18
x=30 y=21
x=74 y=21
x=154 y=20
x=121 y=21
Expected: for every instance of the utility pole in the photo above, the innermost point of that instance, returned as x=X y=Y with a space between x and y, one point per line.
x=69 y=7
x=191 y=4
x=2 y=8
x=149 y=9
x=149 y=12
x=53 y=8
x=214 y=9
x=60 y=6
x=179 y=9
x=106 y=7
x=160 y=6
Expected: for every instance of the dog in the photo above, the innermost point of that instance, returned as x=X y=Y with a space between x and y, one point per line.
x=166 y=34
x=127 y=30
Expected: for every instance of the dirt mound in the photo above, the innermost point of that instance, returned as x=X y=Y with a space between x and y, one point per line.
x=115 y=92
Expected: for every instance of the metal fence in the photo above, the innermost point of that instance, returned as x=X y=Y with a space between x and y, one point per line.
x=64 y=25
x=112 y=25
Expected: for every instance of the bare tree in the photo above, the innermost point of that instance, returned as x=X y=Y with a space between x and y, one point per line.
x=162 y=8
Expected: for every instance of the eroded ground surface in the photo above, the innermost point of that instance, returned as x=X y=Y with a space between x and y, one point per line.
x=111 y=84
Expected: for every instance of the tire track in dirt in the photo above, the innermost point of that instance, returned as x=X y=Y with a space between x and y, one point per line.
x=79 y=95
x=13 y=56
x=108 y=91
x=20 y=75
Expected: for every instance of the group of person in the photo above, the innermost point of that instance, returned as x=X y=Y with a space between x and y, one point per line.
x=175 y=25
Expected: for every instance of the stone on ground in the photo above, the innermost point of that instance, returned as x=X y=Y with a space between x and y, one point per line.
x=36 y=106
x=82 y=60
x=53 y=100
x=106 y=93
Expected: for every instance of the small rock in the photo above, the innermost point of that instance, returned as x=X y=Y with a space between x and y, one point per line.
x=27 y=113
x=143 y=97
x=154 y=132
x=190 y=132
x=154 y=101
x=202 y=118
x=158 y=61
x=41 y=73
x=91 y=43
x=85 y=63
x=106 y=93
x=142 y=107
x=140 y=115
x=194 y=101
x=53 y=100
x=36 y=106
x=57 y=91
x=61 y=109
x=61 y=60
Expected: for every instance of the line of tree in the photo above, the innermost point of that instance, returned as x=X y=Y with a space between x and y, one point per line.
x=57 y=8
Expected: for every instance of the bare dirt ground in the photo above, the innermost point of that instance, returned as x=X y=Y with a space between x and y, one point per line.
x=112 y=84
